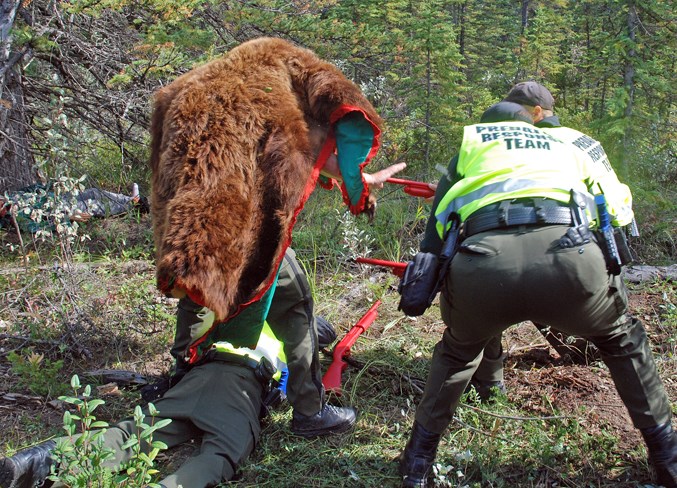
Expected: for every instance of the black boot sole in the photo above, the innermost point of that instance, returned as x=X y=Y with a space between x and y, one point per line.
x=337 y=429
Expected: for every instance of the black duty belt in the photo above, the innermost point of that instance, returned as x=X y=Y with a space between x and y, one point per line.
x=509 y=216
x=229 y=357
x=263 y=369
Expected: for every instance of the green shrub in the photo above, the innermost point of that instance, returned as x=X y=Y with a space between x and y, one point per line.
x=36 y=373
x=81 y=456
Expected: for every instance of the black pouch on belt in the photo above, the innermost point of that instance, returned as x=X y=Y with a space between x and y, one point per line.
x=264 y=371
x=417 y=287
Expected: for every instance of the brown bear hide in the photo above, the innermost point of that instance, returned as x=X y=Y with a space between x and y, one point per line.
x=233 y=161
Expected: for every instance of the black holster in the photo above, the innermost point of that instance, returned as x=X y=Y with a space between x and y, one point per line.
x=622 y=245
x=425 y=275
x=621 y=257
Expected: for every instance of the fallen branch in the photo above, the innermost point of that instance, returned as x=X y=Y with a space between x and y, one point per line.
x=119 y=376
x=511 y=417
x=640 y=273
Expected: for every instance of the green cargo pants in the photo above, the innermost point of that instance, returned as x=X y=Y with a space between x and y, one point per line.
x=216 y=403
x=508 y=276
x=291 y=319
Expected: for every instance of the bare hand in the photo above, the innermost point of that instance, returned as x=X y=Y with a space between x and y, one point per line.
x=433 y=187
x=377 y=179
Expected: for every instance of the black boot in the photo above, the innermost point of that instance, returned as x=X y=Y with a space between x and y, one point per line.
x=416 y=461
x=661 y=441
x=27 y=468
x=329 y=420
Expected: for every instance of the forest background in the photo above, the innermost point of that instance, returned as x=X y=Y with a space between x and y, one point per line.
x=76 y=85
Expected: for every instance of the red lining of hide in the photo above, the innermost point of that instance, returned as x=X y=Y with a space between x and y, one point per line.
x=328 y=184
x=328 y=148
x=167 y=285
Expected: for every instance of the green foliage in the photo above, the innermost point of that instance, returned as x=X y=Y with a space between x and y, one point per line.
x=83 y=460
x=47 y=212
x=428 y=66
x=36 y=373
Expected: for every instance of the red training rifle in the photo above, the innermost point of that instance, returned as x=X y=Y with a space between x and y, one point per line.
x=332 y=378
x=414 y=188
x=396 y=268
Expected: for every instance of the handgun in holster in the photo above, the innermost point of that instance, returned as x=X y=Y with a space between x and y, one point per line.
x=275 y=393
x=579 y=233
x=264 y=371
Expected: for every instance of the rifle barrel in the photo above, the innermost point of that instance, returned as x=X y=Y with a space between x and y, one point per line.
x=397 y=268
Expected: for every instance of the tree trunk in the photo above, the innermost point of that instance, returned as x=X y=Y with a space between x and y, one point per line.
x=525 y=17
x=461 y=36
x=629 y=85
x=16 y=159
x=427 y=108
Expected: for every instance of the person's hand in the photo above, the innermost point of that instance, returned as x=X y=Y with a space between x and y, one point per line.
x=377 y=179
x=433 y=187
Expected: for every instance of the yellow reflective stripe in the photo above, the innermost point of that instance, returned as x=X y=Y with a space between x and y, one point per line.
x=465 y=205
x=268 y=334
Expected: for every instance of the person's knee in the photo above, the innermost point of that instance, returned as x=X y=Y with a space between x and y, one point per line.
x=628 y=337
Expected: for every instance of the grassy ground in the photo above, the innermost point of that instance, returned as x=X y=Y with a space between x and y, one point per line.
x=559 y=424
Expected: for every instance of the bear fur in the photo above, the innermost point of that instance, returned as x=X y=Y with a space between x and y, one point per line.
x=234 y=156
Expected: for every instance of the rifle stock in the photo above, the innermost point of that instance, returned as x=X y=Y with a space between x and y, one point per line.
x=332 y=378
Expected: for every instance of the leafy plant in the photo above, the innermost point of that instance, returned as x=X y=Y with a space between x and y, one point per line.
x=49 y=213
x=82 y=456
x=35 y=372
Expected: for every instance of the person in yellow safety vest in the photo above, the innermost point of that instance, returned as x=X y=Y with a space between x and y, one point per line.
x=225 y=417
x=520 y=194
x=540 y=103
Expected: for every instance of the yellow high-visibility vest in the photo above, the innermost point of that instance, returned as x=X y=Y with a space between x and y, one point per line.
x=602 y=177
x=268 y=346
x=508 y=160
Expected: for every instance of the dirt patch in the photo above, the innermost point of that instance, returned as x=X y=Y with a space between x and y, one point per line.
x=540 y=380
